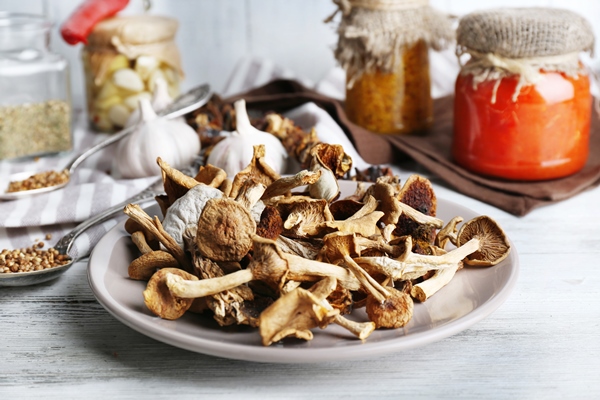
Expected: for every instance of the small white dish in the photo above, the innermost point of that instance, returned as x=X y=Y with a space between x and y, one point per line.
x=473 y=294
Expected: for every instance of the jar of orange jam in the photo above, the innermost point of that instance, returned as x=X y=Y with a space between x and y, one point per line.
x=522 y=104
x=384 y=48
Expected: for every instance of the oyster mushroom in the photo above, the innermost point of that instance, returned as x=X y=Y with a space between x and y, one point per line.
x=303 y=216
x=225 y=230
x=271 y=265
x=494 y=247
x=160 y=300
x=294 y=314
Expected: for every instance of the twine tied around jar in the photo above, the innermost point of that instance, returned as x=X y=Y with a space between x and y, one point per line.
x=372 y=33
x=490 y=66
x=522 y=42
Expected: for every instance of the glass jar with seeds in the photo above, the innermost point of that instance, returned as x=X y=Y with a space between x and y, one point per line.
x=35 y=98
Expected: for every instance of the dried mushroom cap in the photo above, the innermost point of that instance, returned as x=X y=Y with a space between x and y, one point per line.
x=143 y=267
x=159 y=299
x=258 y=170
x=303 y=216
x=365 y=226
x=418 y=193
x=211 y=176
x=394 y=312
x=181 y=219
x=448 y=233
x=225 y=230
x=250 y=193
x=271 y=224
x=384 y=193
x=333 y=157
x=344 y=209
x=283 y=185
x=494 y=245
x=294 y=314
x=175 y=182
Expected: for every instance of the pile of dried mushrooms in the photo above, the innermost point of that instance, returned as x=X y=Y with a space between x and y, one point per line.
x=287 y=255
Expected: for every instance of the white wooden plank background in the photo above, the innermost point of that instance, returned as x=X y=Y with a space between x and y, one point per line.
x=215 y=34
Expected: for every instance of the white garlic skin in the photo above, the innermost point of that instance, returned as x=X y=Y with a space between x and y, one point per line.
x=235 y=152
x=174 y=141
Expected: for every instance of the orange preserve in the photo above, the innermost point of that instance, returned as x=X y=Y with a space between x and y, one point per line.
x=543 y=134
x=522 y=105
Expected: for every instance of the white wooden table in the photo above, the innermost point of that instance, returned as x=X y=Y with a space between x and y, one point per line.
x=57 y=341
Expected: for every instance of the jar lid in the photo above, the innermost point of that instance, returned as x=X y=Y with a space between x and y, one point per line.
x=525 y=32
x=134 y=29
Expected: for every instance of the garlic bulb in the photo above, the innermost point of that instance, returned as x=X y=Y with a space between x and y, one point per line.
x=174 y=141
x=234 y=153
x=160 y=100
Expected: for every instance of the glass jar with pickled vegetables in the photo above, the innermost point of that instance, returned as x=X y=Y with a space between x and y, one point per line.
x=384 y=47
x=35 y=95
x=523 y=105
x=123 y=59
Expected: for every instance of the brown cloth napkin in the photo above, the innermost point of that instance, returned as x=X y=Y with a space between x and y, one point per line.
x=431 y=149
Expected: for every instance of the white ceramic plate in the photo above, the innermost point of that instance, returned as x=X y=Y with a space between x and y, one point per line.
x=473 y=294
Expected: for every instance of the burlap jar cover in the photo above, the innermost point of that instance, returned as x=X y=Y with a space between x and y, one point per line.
x=128 y=37
x=373 y=32
x=522 y=42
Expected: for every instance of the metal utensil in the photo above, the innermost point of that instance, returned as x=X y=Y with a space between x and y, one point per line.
x=187 y=102
x=66 y=242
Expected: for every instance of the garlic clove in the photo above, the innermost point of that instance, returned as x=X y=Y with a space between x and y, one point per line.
x=107 y=90
x=105 y=104
x=118 y=62
x=132 y=102
x=154 y=76
x=118 y=114
x=145 y=65
x=128 y=79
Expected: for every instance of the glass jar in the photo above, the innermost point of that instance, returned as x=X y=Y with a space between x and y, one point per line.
x=122 y=61
x=397 y=102
x=523 y=105
x=35 y=97
x=544 y=134
x=384 y=48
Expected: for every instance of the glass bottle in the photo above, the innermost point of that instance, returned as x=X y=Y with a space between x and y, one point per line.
x=35 y=97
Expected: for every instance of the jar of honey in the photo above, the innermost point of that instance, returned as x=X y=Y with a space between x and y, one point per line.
x=384 y=47
x=522 y=104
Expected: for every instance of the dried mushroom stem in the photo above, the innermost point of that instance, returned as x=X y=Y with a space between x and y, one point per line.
x=139 y=239
x=409 y=263
x=419 y=217
x=362 y=330
x=424 y=290
x=271 y=265
x=155 y=227
x=250 y=193
x=448 y=233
